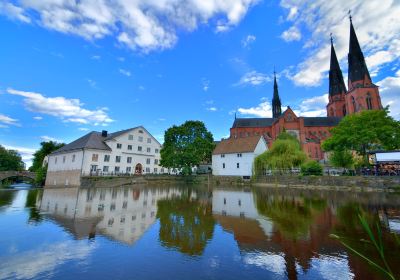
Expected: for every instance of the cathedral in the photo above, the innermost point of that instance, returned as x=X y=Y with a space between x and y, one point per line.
x=361 y=94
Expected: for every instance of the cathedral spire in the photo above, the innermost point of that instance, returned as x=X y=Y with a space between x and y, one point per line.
x=357 y=67
x=276 y=101
x=336 y=82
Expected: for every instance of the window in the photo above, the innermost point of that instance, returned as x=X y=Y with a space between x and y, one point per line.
x=147 y=161
x=139 y=148
x=128 y=169
x=149 y=150
x=106 y=158
x=55 y=160
x=237 y=165
x=129 y=159
x=125 y=205
x=130 y=137
x=331 y=112
x=239 y=155
x=130 y=147
x=95 y=157
x=155 y=170
x=344 y=110
x=73 y=158
x=354 y=104
x=119 y=146
x=222 y=155
x=156 y=161
x=147 y=169
x=93 y=168
x=105 y=168
x=148 y=140
x=117 y=158
x=140 y=131
x=116 y=168
x=223 y=165
x=64 y=159
x=140 y=138
x=156 y=151
x=369 y=101
x=162 y=170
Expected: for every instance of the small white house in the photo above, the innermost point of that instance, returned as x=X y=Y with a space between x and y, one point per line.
x=130 y=151
x=235 y=156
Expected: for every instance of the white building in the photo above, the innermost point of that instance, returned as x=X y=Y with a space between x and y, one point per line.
x=130 y=151
x=235 y=156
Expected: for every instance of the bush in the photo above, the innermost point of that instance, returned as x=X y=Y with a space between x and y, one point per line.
x=311 y=168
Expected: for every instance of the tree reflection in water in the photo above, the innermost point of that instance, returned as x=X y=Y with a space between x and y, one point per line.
x=31 y=203
x=186 y=224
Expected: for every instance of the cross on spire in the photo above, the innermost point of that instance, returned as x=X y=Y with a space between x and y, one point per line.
x=350 y=17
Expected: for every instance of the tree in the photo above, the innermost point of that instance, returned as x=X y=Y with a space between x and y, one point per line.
x=341 y=158
x=10 y=160
x=186 y=146
x=311 y=167
x=45 y=149
x=284 y=154
x=367 y=130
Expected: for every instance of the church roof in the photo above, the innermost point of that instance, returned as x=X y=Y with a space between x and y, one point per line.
x=237 y=145
x=321 y=121
x=336 y=82
x=252 y=122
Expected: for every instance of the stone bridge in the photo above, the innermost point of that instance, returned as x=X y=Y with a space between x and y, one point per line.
x=9 y=174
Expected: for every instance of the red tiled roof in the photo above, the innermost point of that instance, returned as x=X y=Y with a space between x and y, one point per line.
x=237 y=145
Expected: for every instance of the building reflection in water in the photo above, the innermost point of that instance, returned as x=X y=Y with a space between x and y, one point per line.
x=283 y=231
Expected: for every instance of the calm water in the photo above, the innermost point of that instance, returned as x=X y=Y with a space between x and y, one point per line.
x=191 y=233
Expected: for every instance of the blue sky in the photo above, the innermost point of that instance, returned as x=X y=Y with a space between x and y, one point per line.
x=68 y=68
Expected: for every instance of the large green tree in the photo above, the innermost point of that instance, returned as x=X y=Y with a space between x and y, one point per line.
x=285 y=154
x=10 y=160
x=186 y=146
x=341 y=158
x=45 y=149
x=367 y=130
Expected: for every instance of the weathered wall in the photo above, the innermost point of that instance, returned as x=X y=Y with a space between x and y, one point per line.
x=63 y=178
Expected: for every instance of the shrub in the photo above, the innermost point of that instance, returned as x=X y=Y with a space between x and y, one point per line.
x=311 y=168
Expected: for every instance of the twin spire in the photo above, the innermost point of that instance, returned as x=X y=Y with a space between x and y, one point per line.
x=358 y=70
x=276 y=101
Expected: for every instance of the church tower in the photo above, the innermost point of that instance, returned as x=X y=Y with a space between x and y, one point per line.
x=362 y=93
x=276 y=101
x=337 y=89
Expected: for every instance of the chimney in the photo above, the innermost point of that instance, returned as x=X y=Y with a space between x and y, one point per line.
x=104 y=133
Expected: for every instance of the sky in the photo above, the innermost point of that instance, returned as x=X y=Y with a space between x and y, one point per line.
x=69 y=67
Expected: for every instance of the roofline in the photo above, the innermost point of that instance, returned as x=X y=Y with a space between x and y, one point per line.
x=130 y=129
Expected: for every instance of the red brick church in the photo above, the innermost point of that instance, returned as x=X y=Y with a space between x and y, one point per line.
x=362 y=94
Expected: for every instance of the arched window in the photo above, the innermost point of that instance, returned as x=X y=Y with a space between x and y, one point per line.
x=331 y=112
x=344 y=110
x=354 y=104
x=369 y=101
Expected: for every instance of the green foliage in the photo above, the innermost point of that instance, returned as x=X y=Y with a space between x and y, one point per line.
x=45 y=149
x=311 y=167
x=284 y=155
x=342 y=158
x=367 y=130
x=40 y=177
x=186 y=146
x=10 y=160
x=31 y=200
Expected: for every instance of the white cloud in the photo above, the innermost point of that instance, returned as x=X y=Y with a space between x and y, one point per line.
x=125 y=72
x=96 y=57
x=212 y=109
x=14 y=12
x=38 y=118
x=48 y=138
x=83 y=129
x=292 y=34
x=205 y=84
x=6 y=120
x=262 y=110
x=92 y=83
x=313 y=107
x=69 y=110
x=144 y=25
x=390 y=94
x=246 y=42
x=322 y=18
x=254 y=78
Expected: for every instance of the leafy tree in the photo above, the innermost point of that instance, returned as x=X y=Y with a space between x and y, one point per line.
x=367 y=130
x=40 y=176
x=311 y=167
x=10 y=160
x=45 y=149
x=186 y=146
x=341 y=158
x=284 y=154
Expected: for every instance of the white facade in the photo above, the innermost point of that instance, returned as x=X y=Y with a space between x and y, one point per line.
x=135 y=151
x=237 y=163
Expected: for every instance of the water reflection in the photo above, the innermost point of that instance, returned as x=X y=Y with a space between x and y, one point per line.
x=253 y=233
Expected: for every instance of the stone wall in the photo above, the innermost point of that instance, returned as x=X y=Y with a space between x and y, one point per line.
x=63 y=178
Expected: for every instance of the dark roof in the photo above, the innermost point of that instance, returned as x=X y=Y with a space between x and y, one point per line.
x=237 y=145
x=336 y=82
x=357 y=66
x=252 y=122
x=321 y=121
x=92 y=140
x=118 y=133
